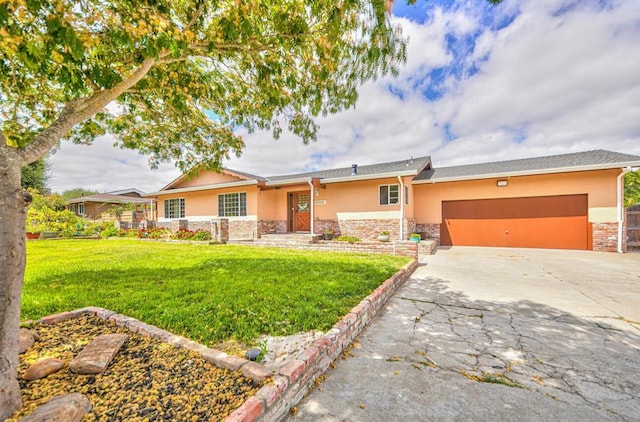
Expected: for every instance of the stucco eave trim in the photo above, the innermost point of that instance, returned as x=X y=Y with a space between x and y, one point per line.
x=610 y=166
x=203 y=187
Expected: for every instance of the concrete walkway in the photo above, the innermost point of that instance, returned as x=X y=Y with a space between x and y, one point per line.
x=496 y=334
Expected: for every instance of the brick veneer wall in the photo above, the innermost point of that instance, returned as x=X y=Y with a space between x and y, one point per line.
x=294 y=379
x=271 y=227
x=322 y=226
x=432 y=230
x=369 y=229
x=243 y=229
x=605 y=237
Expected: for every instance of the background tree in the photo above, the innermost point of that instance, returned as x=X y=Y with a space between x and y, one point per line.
x=257 y=64
x=632 y=188
x=77 y=193
x=36 y=175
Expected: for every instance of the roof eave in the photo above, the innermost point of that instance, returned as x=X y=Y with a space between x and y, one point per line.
x=203 y=187
x=609 y=166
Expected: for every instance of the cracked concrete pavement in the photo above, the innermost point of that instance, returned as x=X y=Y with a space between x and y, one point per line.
x=496 y=334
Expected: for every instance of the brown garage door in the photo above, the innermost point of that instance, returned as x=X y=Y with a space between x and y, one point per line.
x=557 y=222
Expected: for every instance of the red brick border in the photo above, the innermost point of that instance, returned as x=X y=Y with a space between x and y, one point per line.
x=287 y=387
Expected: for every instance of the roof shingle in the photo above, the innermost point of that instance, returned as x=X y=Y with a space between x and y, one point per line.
x=575 y=160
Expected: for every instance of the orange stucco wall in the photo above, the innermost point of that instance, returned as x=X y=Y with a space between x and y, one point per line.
x=352 y=197
x=206 y=178
x=599 y=185
x=205 y=203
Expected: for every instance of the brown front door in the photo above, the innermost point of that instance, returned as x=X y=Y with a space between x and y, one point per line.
x=555 y=222
x=301 y=212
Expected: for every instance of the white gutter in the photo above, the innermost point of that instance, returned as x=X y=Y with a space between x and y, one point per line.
x=608 y=166
x=401 y=208
x=203 y=187
x=312 y=201
x=620 y=199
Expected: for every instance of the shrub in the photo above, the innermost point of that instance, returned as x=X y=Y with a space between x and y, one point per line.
x=109 y=232
x=202 y=234
x=155 y=233
x=350 y=239
x=184 y=234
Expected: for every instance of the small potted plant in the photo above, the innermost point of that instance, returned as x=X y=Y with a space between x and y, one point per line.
x=415 y=237
x=383 y=236
x=328 y=234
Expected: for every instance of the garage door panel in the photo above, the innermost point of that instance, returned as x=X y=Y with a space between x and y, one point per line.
x=537 y=222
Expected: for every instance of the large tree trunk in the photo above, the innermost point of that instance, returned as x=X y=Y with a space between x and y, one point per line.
x=12 y=263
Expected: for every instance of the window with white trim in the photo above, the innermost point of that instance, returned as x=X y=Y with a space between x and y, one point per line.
x=406 y=194
x=232 y=204
x=174 y=208
x=389 y=194
x=80 y=209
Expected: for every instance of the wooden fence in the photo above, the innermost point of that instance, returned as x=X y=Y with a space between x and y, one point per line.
x=633 y=228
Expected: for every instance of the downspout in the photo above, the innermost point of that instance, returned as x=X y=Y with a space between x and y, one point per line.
x=401 y=208
x=311 y=205
x=620 y=210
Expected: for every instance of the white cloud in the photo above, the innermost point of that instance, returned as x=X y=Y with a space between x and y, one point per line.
x=104 y=168
x=564 y=76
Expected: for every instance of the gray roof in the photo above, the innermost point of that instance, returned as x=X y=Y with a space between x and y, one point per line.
x=245 y=174
x=555 y=163
x=109 y=198
x=412 y=164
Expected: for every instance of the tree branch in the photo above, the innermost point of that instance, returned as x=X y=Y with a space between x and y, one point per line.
x=195 y=16
x=78 y=110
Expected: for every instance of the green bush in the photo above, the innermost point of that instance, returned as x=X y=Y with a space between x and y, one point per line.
x=201 y=234
x=350 y=239
x=184 y=234
x=109 y=232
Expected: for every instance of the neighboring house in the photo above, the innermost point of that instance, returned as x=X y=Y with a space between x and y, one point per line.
x=570 y=201
x=100 y=206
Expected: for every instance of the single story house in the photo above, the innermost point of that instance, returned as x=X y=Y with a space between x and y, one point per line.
x=100 y=206
x=569 y=201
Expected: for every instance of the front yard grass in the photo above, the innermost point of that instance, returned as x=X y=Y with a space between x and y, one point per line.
x=208 y=293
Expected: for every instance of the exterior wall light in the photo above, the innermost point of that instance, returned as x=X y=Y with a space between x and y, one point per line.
x=502 y=183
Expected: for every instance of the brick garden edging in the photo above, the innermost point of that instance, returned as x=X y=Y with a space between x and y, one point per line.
x=293 y=380
x=273 y=401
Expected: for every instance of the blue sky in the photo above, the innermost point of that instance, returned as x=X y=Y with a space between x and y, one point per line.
x=482 y=83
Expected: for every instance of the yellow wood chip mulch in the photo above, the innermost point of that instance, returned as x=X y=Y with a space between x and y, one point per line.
x=148 y=380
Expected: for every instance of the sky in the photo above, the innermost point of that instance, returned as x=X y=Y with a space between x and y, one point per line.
x=481 y=83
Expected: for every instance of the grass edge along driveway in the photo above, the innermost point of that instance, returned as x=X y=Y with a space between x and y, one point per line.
x=208 y=293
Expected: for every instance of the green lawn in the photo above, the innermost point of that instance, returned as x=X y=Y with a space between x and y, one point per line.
x=209 y=293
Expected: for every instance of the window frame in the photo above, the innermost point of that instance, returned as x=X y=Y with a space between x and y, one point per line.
x=241 y=201
x=181 y=208
x=388 y=188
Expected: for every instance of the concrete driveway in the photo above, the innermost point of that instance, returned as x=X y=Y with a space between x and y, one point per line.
x=496 y=334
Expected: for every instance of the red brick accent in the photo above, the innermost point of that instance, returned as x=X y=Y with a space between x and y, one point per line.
x=293 y=369
x=605 y=237
x=243 y=229
x=273 y=391
x=271 y=226
x=255 y=371
x=250 y=411
x=404 y=248
x=431 y=230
